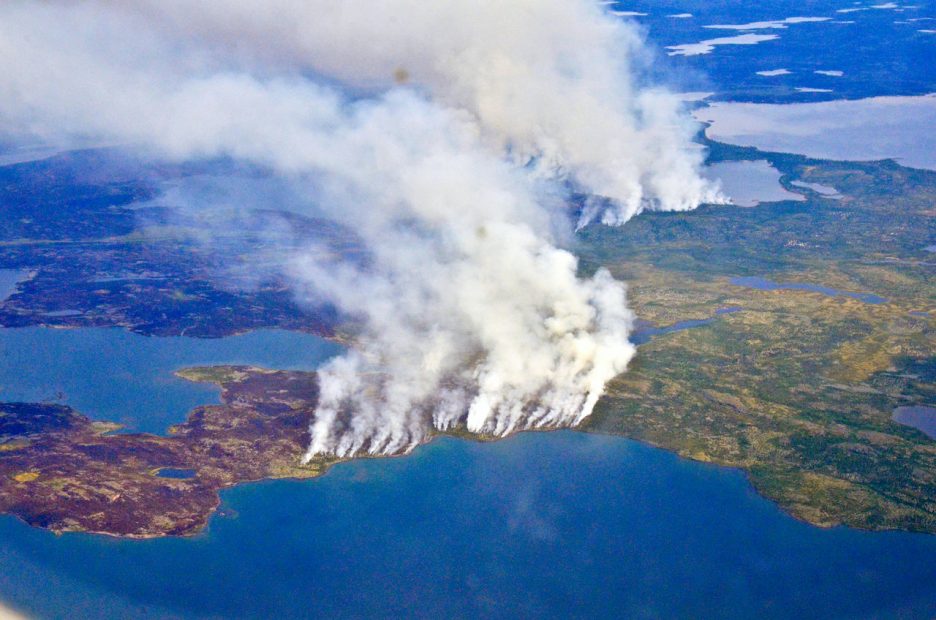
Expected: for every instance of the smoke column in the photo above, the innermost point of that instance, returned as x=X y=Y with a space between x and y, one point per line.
x=446 y=134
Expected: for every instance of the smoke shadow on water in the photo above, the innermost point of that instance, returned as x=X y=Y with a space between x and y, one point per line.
x=553 y=524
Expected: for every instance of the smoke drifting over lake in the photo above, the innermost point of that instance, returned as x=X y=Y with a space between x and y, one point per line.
x=448 y=135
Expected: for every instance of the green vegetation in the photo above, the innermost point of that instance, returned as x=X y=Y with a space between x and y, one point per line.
x=798 y=387
x=212 y=374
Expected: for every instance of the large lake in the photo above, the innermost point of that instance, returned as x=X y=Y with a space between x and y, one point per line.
x=539 y=525
x=113 y=374
x=749 y=183
x=862 y=129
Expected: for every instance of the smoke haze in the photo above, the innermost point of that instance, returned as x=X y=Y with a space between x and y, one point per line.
x=447 y=135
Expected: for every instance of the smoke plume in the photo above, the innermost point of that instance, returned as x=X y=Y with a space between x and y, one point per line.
x=446 y=134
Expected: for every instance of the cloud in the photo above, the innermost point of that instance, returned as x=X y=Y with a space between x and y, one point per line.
x=446 y=135
x=550 y=80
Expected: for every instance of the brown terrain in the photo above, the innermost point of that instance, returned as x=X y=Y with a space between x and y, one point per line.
x=61 y=471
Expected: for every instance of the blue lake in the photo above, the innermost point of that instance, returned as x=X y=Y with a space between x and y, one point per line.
x=749 y=183
x=113 y=374
x=9 y=278
x=645 y=331
x=823 y=190
x=550 y=525
x=178 y=474
x=643 y=335
x=769 y=285
x=919 y=417
x=555 y=525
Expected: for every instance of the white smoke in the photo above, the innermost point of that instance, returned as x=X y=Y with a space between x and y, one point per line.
x=548 y=79
x=470 y=311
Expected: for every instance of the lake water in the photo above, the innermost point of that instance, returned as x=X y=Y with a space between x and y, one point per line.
x=919 y=417
x=708 y=45
x=823 y=190
x=541 y=525
x=113 y=374
x=556 y=525
x=177 y=474
x=862 y=129
x=645 y=333
x=749 y=183
x=9 y=278
x=769 y=285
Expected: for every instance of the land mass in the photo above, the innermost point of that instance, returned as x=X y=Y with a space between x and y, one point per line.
x=62 y=471
x=795 y=383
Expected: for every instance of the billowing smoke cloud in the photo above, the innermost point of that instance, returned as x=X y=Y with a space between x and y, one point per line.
x=547 y=79
x=445 y=133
